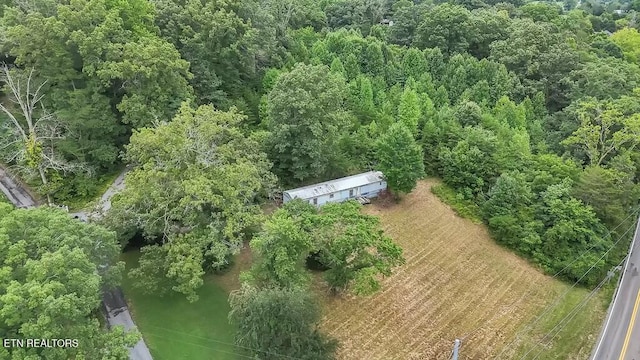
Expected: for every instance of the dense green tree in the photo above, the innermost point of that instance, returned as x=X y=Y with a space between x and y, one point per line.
x=215 y=40
x=427 y=111
x=540 y=12
x=409 y=112
x=207 y=176
x=604 y=130
x=576 y=25
x=447 y=27
x=372 y=60
x=355 y=14
x=510 y=114
x=509 y=194
x=605 y=78
x=351 y=67
x=468 y=113
x=628 y=39
x=414 y=64
x=441 y=97
x=487 y=25
x=399 y=158
x=306 y=115
x=545 y=170
x=337 y=67
x=280 y=251
x=508 y=213
x=354 y=248
x=425 y=85
x=435 y=62
x=364 y=106
x=603 y=22
x=54 y=269
x=279 y=324
x=470 y=166
x=296 y=14
x=570 y=228
x=105 y=68
x=541 y=58
x=406 y=18
x=514 y=149
x=610 y=192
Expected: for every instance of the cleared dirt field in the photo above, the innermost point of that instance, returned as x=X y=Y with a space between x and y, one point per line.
x=457 y=282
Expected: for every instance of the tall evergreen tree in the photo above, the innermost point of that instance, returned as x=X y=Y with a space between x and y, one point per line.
x=400 y=159
x=409 y=110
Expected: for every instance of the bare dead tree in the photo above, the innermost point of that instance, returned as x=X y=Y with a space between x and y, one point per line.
x=32 y=129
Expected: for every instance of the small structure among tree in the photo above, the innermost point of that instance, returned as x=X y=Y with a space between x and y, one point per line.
x=361 y=186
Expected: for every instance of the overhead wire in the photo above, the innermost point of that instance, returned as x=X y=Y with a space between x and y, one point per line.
x=561 y=297
x=567 y=318
x=198 y=345
x=224 y=343
x=531 y=290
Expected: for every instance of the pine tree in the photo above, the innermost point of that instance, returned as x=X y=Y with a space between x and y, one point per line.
x=400 y=159
x=441 y=98
x=351 y=67
x=337 y=67
x=373 y=60
x=409 y=110
x=414 y=64
x=366 y=108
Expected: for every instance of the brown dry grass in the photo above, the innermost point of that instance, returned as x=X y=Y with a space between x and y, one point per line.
x=457 y=281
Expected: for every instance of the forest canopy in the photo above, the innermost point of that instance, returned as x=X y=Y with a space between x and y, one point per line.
x=529 y=110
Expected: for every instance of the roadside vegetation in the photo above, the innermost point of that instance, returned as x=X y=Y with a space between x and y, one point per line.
x=464 y=208
x=3 y=199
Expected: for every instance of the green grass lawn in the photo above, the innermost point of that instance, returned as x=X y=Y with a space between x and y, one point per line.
x=175 y=329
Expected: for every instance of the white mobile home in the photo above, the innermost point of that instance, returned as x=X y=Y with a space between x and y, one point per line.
x=365 y=185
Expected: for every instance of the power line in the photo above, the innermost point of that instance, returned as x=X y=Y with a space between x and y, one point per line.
x=199 y=345
x=559 y=299
x=223 y=342
x=531 y=290
x=564 y=321
x=567 y=318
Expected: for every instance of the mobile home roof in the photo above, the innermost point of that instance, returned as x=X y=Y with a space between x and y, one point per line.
x=333 y=186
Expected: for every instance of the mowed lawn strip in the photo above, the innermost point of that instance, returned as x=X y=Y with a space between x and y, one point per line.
x=175 y=329
x=457 y=281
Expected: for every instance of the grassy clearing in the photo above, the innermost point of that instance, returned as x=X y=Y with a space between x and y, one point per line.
x=457 y=283
x=465 y=208
x=175 y=329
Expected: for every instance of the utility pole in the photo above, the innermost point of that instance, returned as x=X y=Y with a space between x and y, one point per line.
x=456 y=349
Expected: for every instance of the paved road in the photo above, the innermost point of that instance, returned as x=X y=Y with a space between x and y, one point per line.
x=14 y=191
x=118 y=314
x=105 y=201
x=113 y=300
x=620 y=337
